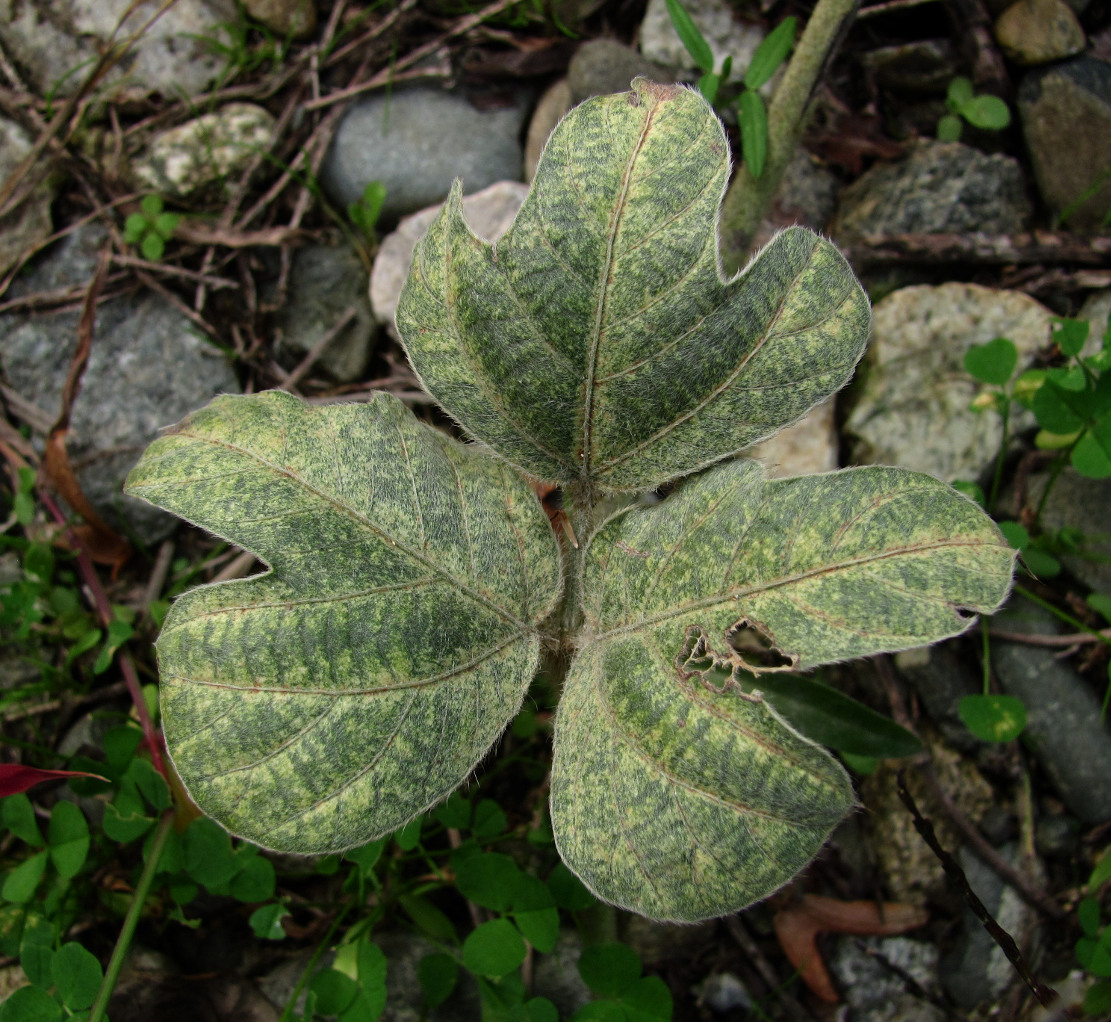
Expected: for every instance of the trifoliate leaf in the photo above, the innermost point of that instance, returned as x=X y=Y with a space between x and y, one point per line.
x=596 y=343
x=396 y=625
x=683 y=799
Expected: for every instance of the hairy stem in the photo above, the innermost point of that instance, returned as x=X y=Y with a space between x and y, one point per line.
x=131 y=920
x=748 y=197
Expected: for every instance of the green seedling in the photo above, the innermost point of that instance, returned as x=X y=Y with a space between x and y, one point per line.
x=151 y=228
x=1093 y=949
x=981 y=111
x=753 y=115
x=364 y=213
x=415 y=584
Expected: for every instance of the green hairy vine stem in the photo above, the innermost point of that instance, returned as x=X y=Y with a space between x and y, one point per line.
x=415 y=581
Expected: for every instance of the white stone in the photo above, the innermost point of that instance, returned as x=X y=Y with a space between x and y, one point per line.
x=727 y=37
x=29 y=223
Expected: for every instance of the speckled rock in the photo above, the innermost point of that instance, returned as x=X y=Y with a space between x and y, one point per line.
x=206 y=152
x=726 y=35
x=1066 y=119
x=939 y=187
x=293 y=18
x=28 y=224
x=489 y=213
x=148 y=368
x=1082 y=504
x=807 y=447
x=875 y=992
x=1038 y=31
x=924 y=67
x=416 y=142
x=56 y=43
x=913 y=407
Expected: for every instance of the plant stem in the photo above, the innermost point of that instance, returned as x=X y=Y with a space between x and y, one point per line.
x=1061 y=615
x=749 y=197
x=131 y=920
x=303 y=982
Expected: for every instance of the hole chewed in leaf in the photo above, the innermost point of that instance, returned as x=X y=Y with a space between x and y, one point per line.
x=757 y=649
x=751 y=647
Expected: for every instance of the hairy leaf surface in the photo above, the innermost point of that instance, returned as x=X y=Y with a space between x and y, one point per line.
x=358 y=681
x=597 y=342
x=678 y=799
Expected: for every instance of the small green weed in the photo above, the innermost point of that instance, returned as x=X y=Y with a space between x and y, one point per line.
x=983 y=111
x=753 y=115
x=151 y=228
x=1093 y=949
x=364 y=213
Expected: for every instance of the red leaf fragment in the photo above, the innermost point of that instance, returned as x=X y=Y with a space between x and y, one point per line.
x=15 y=778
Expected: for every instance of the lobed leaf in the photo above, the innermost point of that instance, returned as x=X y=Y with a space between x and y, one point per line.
x=597 y=343
x=683 y=800
x=354 y=684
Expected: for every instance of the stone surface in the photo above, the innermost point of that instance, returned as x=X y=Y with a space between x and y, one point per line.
x=924 y=67
x=939 y=187
x=553 y=105
x=148 y=368
x=942 y=675
x=805 y=448
x=28 y=224
x=976 y=970
x=714 y=18
x=604 y=66
x=556 y=975
x=293 y=18
x=206 y=152
x=1038 y=31
x=1063 y=727
x=913 y=405
x=1097 y=311
x=1082 y=504
x=489 y=213
x=56 y=42
x=416 y=142
x=807 y=195
x=326 y=281
x=1066 y=119
x=876 y=993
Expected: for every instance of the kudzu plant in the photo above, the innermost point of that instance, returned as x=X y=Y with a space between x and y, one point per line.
x=414 y=582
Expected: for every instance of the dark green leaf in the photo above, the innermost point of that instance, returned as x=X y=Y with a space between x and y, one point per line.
x=266 y=921
x=22 y=882
x=428 y=917
x=68 y=838
x=134 y=228
x=1040 y=563
x=1068 y=378
x=648 y=1000
x=254 y=882
x=437 y=974
x=992 y=363
x=600 y=1011
x=366 y=856
x=609 y=969
x=372 y=965
x=568 y=890
x=832 y=718
x=1053 y=407
x=30 y=1004
x=959 y=93
x=540 y=1009
x=690 y=36
x=1070 y=335
x=708 y=85
x=152 y=247
x=540 y=927
x=77 y=976
x=488 y=879
x=165 y=224
x=18 y=815
x=489 y=820
x=208 y=856
x=334 y=991
x=366 y=1007
x=949 y=128
x=455 y=812
x=151 y=784
x=993 y=718
x=36 y=958
x=493 y=949
x=754 y=131
x=1097 y=1001
x=1088 y=915
x=409 y=836
x=151 y=205
x=1016 y=534
x=1090 y=458
x=771 y=52
x=1101 y=603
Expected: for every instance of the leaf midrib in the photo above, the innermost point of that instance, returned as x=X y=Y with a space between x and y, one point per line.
x=733 y=594
x=523 y=626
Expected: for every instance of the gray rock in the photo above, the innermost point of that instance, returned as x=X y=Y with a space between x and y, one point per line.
x=1097 y=311
x=203 y=154
x=940 y=187
x=56 y=42
x=604 y=66
x=552 y=108
x=293 y=18
x=1066 y=119
x=924 y=67
x=913 y=407
x=807 y=195
x=977 y=970
x=876 y=993
x=148 y=368
x=1038 y=31
x=1063 y=727
x=489 y=213
x=416 y=142
x=326 y=281
x=1076 y=502
x=727 y=37
x=28 y=224
x=806 y=447
x=723 y=992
